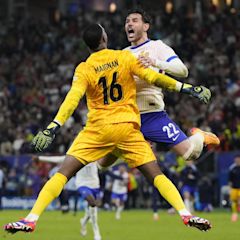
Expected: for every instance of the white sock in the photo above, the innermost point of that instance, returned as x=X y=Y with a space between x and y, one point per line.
x=187 y=204
x=184 y=212
x=119 y=210
x=86 y=216
x=32 y=217
x=93 y=216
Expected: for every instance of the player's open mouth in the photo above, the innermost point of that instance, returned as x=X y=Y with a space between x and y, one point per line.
x=131 y=33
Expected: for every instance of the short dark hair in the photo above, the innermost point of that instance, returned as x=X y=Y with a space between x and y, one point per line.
x=145 y=16
x=92 y=36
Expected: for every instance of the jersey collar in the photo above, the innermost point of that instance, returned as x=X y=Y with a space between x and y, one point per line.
x=134 y=47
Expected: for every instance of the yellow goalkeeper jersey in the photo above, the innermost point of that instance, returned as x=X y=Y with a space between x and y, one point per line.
x=107 y=79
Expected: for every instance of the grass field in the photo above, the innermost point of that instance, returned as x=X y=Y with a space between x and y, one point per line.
x=134 y=225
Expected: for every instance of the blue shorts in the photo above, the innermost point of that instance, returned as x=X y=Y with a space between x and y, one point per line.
x=158 y=127
x=86 y=191
x=122 y=197
x=190 y=189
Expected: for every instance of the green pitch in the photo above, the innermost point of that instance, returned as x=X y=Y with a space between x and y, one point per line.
x=134 y=225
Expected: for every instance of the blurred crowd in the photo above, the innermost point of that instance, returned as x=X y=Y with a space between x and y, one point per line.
x=37 y=61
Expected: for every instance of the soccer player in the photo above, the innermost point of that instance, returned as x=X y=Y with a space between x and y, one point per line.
x=119 y=189
x=113 y=124
x=234 y=182
x=156 y=125
x=88 y=186
x=88 y=183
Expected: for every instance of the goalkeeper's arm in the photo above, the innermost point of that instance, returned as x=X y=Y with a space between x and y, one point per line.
x=168 y=83
x=163 y=81
x=44 y=138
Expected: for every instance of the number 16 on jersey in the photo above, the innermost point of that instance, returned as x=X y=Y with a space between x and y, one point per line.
x=114 y=92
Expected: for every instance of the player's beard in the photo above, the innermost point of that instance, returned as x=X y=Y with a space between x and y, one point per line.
x=138 y=35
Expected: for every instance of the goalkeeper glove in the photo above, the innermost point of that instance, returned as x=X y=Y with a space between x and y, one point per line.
x=200 y=92
x=44 y=138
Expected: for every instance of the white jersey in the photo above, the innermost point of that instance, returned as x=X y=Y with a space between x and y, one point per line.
x=120 y=186
x=88 y=176
x=149 y=97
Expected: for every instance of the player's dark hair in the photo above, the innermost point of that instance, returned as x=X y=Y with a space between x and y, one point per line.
x=145 y=16
x=92 y=36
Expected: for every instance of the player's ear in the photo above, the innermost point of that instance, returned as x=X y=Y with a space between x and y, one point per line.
x=104 y=37
x=146 y=27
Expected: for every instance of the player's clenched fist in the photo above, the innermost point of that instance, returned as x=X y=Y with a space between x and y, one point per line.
x=200 y=92
x=44 y=138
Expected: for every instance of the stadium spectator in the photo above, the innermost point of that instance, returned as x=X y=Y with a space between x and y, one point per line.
x=132 y=189
x=189 y=183
x=12 y=183
x=205 y=189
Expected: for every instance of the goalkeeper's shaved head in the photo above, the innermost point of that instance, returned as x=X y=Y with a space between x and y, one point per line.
x=95 y=37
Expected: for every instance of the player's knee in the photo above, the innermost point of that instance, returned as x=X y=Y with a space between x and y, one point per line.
x=186 y=195
x=92 y=202
x=194 y=151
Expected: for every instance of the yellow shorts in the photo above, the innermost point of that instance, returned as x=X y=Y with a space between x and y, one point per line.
x=95 y=142
x=235 y=194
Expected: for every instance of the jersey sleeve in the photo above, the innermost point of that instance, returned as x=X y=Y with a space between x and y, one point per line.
x=152 y=77
x=168 y=60
x=167 y=53
x=77 y=91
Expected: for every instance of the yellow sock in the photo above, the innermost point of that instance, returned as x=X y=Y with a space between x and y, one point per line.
x=49 y=192
x=167 y=189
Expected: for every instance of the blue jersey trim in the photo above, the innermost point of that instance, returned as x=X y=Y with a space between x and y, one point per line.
x=171 y=58
x=134 y=47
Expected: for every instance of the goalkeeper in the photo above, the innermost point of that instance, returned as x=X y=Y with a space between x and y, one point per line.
x=113 y=124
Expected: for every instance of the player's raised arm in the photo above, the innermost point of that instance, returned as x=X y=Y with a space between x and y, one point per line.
x=175 y=67
x=169 y=62
x=168 y=83
x=79 y=85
